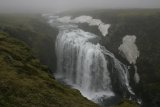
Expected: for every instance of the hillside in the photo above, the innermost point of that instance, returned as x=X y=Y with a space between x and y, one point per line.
x=35 y=32
x=24 y=82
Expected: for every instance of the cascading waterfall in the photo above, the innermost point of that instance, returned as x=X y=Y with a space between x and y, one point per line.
x=122 y=70
x=83 y=64
x=86 y=65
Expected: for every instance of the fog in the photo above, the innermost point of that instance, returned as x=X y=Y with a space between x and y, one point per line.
x=61 y=5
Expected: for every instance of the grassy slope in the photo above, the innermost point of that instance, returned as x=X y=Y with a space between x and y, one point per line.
x=24 y=82
x=35 y=32
x=126 y=103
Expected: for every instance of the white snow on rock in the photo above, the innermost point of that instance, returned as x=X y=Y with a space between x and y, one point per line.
x=103 y=28
x=129 y=48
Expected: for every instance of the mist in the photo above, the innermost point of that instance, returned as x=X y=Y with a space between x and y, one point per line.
x=62 y=5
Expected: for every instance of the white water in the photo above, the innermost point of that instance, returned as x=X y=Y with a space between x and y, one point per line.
x=131 y=52
x=84 y=64
x=136 y=75
x=129 y=48
x=103 y=28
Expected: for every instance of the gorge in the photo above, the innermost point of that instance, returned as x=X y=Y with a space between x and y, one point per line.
x=84 y=64
x=78 y=59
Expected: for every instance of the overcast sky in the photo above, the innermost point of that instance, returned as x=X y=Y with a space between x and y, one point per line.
x=75 y=4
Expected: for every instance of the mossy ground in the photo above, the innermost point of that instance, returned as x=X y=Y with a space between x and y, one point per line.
x=24 y=82
x=127 y=103
x=35 y=32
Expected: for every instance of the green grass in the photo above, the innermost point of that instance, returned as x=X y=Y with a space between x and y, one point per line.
x=127 y=103
x=24 y=82
x=35 y=32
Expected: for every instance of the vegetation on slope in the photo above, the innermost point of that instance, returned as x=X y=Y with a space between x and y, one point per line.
x=35 y=32
x=24 y=82
x=126 y=103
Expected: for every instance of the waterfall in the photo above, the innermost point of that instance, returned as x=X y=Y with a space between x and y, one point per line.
x=84 y=64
